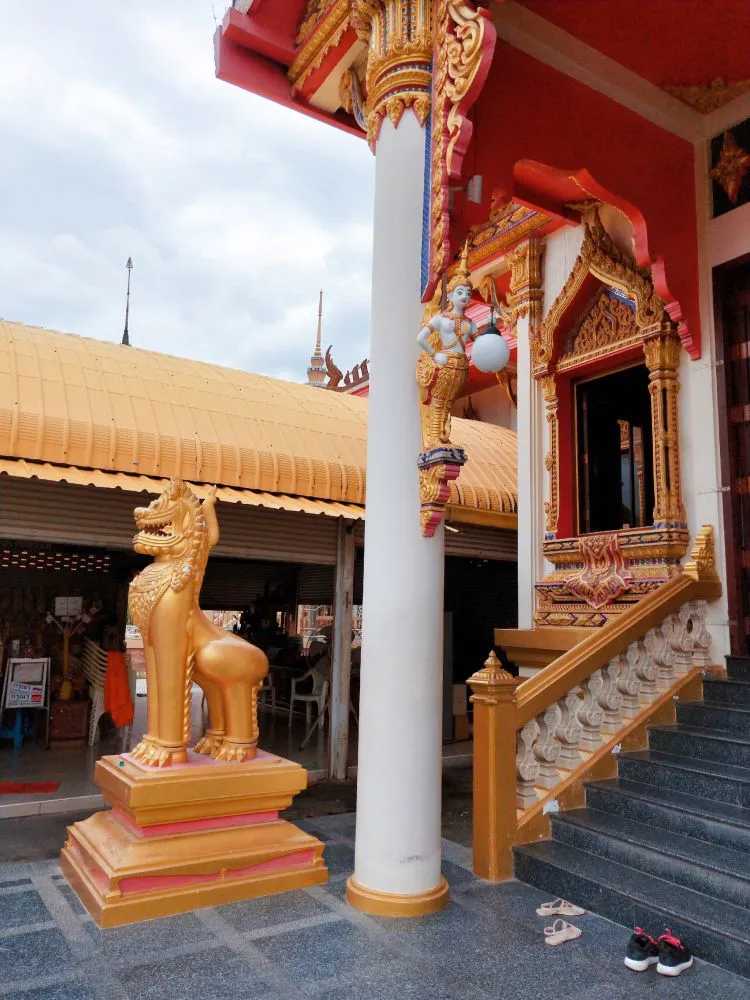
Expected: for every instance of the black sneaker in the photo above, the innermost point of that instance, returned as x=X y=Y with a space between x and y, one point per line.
x=674 y=956
x=642 y=951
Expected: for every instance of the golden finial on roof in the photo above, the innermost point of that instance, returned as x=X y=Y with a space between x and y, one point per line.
x=462 y=274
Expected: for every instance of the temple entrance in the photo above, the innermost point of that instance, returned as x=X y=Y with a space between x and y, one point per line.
x=733 y=314
x=615 y=457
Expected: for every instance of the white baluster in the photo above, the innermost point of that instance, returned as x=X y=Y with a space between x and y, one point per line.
x=629 y=686
x=681 y=639
x=660 y=649
x=569 y=730
x=701 y=635
x=610 y=698
x=527 y=766
x=547 y=747
x=645 y=670
x=590 y=713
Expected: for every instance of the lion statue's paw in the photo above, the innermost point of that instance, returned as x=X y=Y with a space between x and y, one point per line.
x=153 y=755
x=235 y=751
x=209 y=744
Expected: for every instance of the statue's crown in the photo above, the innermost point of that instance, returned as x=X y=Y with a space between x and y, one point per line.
x=462 y=274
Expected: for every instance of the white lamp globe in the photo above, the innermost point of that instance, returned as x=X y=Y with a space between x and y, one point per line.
x=490 y=352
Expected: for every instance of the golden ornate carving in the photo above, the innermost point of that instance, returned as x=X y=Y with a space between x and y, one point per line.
x=508 y=223
x=661 y=346
x=600 y=257
x=313 y=12
x=708 y=97
x=525 y=289
x=651 y=554
x=609 y=324
x=492 y=682
x=463 y=46
x=602 y=578
x=181 y=645
x=702 y=562
x=398 y=34
x=322 y=28
x=551 y=459
x=733 y=164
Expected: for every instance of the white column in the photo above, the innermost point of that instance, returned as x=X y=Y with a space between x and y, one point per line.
x=531 y=478
x=397 y=863
x=341 y=665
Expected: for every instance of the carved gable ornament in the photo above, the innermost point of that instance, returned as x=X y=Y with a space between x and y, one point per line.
x=608 y=325
x=601 y=258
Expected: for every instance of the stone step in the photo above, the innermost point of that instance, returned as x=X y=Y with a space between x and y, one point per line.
x=735 y=694
x=716 y=931
x=705 y=744
x=674 y=812
x=738 y=668
x=716 y=717
x=715 y=871
x=706 y=779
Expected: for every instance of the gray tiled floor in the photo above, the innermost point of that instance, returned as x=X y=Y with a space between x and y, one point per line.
x=310 y=944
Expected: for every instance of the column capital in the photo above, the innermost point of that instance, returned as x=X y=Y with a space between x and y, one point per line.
x=525 y=290
x=398 y=75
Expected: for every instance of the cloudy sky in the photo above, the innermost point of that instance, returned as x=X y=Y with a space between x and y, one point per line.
x=117 y=140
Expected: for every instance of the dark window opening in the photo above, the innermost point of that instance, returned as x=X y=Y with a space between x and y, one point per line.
x=615 y=457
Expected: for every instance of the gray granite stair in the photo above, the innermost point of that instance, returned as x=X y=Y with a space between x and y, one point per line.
x=667 y=842
x=721 y=718
x=738 y=668
x=673 y=812
x=716 y=871
x=706 y=779
x=735 y=694
x=704 y=744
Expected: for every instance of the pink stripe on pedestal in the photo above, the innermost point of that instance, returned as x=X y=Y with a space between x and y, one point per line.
x=191 y=825
x=150 y=883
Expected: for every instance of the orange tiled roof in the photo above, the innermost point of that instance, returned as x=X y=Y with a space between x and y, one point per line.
x=75 y=401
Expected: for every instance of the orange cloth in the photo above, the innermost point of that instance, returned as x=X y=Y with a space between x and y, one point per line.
x=117 y=700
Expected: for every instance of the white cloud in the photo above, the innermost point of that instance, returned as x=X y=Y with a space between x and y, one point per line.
x=119 y=141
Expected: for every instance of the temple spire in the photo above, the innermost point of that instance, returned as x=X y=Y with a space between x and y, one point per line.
x=125 y=332
x=316 y=373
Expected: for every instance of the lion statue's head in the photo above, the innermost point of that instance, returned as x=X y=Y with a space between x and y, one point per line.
x=167 y=527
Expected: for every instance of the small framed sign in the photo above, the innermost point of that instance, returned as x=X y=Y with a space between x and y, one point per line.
x=25 y=684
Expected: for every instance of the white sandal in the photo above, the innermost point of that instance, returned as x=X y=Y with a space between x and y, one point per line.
x=561 y=906
x=561 y=931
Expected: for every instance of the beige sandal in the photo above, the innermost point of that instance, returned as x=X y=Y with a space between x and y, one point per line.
x=560 y=932
x=561 y=906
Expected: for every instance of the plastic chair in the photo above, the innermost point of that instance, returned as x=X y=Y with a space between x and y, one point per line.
x=268 y=692
x=94 y=664
x=318 y=696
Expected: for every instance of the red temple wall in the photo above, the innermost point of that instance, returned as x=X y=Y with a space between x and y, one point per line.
x=529 y=111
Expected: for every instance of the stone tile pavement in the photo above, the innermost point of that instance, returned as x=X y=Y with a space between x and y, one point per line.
x=310 y=944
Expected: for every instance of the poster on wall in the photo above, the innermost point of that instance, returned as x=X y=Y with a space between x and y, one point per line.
x=68 y=607
x=25 y=683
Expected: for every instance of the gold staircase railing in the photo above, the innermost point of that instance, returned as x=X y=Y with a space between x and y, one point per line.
x=536 y=741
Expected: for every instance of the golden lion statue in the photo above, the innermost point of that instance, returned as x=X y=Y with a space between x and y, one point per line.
x=181 y=645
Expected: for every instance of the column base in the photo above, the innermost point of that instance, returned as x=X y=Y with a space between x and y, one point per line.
x=393 y=904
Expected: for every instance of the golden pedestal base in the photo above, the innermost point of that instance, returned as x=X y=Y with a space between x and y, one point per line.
x=178 y=838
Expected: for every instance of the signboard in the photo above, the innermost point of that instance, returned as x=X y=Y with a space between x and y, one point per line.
x=26 y=683
x=68 y=607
